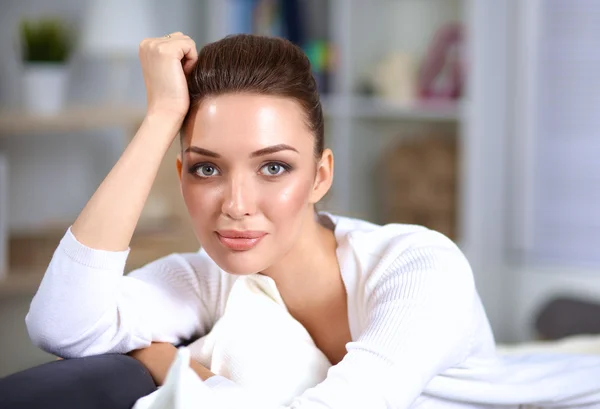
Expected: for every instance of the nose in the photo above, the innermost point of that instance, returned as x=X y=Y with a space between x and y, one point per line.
x=239 y=200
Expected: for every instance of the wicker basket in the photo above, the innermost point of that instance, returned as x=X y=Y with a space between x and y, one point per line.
x=420 y=183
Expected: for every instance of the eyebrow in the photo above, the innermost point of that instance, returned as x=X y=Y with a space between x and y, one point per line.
x=261 y=152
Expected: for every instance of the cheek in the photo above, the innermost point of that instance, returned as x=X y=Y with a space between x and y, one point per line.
x=201 y=201
x=286 y=199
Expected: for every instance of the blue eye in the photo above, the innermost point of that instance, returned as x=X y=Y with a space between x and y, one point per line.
x=273 y=169
x=206 y=170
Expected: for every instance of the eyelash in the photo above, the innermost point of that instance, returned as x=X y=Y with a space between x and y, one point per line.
x=193 y=170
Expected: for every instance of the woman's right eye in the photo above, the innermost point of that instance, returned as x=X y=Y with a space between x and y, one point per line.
x=205 y=170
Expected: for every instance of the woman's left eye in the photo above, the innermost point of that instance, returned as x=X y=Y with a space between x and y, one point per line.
x=273 y=169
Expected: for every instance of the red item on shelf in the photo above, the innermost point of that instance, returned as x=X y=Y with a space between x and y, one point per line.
x=442 y=73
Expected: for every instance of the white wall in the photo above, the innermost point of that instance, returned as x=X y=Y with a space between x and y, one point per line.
x=546 y=42
x=484 y=151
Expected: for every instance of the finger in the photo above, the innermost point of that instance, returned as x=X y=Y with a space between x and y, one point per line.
x=180 y=48
x=190 y=59
x=189 y=65
x=172 y=36
x=189 y=54
x=175 y=34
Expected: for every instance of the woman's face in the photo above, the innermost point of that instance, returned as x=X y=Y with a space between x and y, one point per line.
x=249 y=178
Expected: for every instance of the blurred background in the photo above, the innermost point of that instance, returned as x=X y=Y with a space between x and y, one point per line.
x=477 y=118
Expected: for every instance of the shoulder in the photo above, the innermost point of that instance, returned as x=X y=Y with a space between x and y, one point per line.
x=380 y=240
x=407 y=279
x=392 y=254
x=391 y=241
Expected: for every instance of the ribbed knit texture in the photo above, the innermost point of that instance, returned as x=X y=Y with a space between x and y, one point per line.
x=412 y=304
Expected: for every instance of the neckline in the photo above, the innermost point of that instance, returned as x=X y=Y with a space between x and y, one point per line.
x=331 y=222
x=335 y=224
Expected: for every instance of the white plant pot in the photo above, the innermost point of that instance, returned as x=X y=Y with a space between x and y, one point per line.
x=44 y=87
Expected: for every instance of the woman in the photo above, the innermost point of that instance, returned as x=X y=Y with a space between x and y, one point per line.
x=394 y=308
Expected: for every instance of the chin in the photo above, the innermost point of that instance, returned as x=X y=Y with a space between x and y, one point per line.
x=238 y=269
x=238 y=262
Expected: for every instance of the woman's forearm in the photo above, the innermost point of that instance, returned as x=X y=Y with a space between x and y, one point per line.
x=108 y=220
x=203 y=372
x=158 y=357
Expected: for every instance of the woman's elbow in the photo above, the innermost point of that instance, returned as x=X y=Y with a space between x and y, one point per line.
x=59 y=340
x=54 y=325
x=49 y=338
x=41 y=333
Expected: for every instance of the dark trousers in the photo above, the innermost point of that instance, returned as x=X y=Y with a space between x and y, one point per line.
x=97 y=382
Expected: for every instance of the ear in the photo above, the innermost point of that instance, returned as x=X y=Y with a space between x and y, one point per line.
x=324 y=177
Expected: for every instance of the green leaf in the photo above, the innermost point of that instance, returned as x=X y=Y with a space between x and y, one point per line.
x=45 y=40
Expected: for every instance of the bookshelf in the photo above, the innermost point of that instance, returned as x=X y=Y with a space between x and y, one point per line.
x=361 y=126
x=374 y=108
x=30 y=249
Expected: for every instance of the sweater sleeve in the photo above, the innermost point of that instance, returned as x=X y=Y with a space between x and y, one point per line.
x=86 y=306
x=420 y=322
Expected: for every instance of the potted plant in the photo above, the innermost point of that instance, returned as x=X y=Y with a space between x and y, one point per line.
x=46 y=47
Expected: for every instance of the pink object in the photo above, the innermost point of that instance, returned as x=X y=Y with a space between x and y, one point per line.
x=442 y=74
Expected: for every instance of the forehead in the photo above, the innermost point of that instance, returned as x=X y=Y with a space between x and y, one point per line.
x=248 y=121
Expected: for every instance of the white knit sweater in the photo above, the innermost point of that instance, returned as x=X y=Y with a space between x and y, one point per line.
x=413 y=310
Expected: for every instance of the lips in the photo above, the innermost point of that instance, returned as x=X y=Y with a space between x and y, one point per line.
x=238 y=240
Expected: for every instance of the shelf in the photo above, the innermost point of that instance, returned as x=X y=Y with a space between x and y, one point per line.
x=376 y=108
x=373 y=108
x=146 y=227
x=90 y=118
x=73 y=119
x=31 y=253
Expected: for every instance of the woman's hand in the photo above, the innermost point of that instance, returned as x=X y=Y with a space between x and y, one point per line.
x=165 y=63
x=159 y=356
x=109 y=218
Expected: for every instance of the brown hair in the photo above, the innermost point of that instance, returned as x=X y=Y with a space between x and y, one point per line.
x=246 y=63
